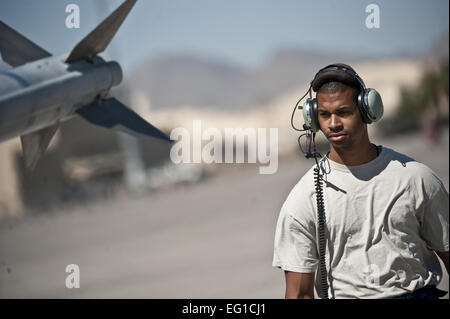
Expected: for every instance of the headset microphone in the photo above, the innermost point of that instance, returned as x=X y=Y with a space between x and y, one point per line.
x=311 y=144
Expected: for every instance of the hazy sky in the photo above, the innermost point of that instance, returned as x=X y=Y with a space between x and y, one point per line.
x=238 y=31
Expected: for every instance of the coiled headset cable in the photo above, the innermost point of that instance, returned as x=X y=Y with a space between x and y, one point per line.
x=321 y=219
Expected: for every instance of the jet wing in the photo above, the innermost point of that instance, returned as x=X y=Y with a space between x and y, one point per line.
x=17 y=49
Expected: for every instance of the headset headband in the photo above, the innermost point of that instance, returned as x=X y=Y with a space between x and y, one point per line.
x=350 y=72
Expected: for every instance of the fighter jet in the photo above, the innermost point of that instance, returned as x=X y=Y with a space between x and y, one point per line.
x=38 y=91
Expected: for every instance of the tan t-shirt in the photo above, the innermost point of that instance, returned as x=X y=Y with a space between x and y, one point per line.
x=384 y=219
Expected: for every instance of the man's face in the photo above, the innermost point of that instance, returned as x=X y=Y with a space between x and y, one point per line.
x=339 y=119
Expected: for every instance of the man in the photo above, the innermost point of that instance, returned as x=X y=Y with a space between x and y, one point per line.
x=386 y=214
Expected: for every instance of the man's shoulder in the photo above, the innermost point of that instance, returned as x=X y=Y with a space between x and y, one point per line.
x=302 y=192
x=306 y=182
x=406 y=166
x=407 y=162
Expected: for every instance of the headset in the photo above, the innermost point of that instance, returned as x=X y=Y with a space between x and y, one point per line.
x=369 y=100
x=370 y=106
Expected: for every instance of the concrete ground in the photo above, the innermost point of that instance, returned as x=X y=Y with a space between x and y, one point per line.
x=210 y=240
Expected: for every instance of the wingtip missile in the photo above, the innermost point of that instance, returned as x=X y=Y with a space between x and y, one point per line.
x=33 y=109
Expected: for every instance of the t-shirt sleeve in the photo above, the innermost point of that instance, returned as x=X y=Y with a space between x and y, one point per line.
x=434 y=226
x=295 y=243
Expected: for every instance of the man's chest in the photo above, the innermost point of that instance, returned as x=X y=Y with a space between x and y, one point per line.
x=361 y=208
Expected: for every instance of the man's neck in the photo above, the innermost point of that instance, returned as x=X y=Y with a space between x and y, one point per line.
x=354 y=156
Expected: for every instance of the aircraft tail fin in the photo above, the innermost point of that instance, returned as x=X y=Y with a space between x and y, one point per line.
x=111 y=113
x=17 y=49
x=99 y=38
x=34 y=144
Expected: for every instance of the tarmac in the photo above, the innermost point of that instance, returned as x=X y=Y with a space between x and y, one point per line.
x=212 y=239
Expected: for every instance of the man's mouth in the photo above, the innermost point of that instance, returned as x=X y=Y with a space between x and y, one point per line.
x=337 y=137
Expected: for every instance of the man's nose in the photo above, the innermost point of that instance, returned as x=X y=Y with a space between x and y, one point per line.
x=335 y=123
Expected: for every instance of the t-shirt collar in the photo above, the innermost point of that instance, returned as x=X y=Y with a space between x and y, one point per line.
x=365 y=166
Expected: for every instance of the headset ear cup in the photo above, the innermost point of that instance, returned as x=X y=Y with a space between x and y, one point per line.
x=363 y=110
x=310 y=115
x=315 y=116
x=374 y=104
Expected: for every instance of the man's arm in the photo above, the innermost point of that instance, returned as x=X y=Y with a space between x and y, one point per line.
x=300 y=285
x=444 y=257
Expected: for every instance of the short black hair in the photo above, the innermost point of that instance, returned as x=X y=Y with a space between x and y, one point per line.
x=335 y=86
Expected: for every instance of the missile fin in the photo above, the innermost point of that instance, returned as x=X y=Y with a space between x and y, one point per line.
x=99 y=38
x=111 y=113
x=34 y=144
x=17 y=49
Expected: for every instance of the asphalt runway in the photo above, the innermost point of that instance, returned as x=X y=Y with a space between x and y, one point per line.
x=210 y=240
